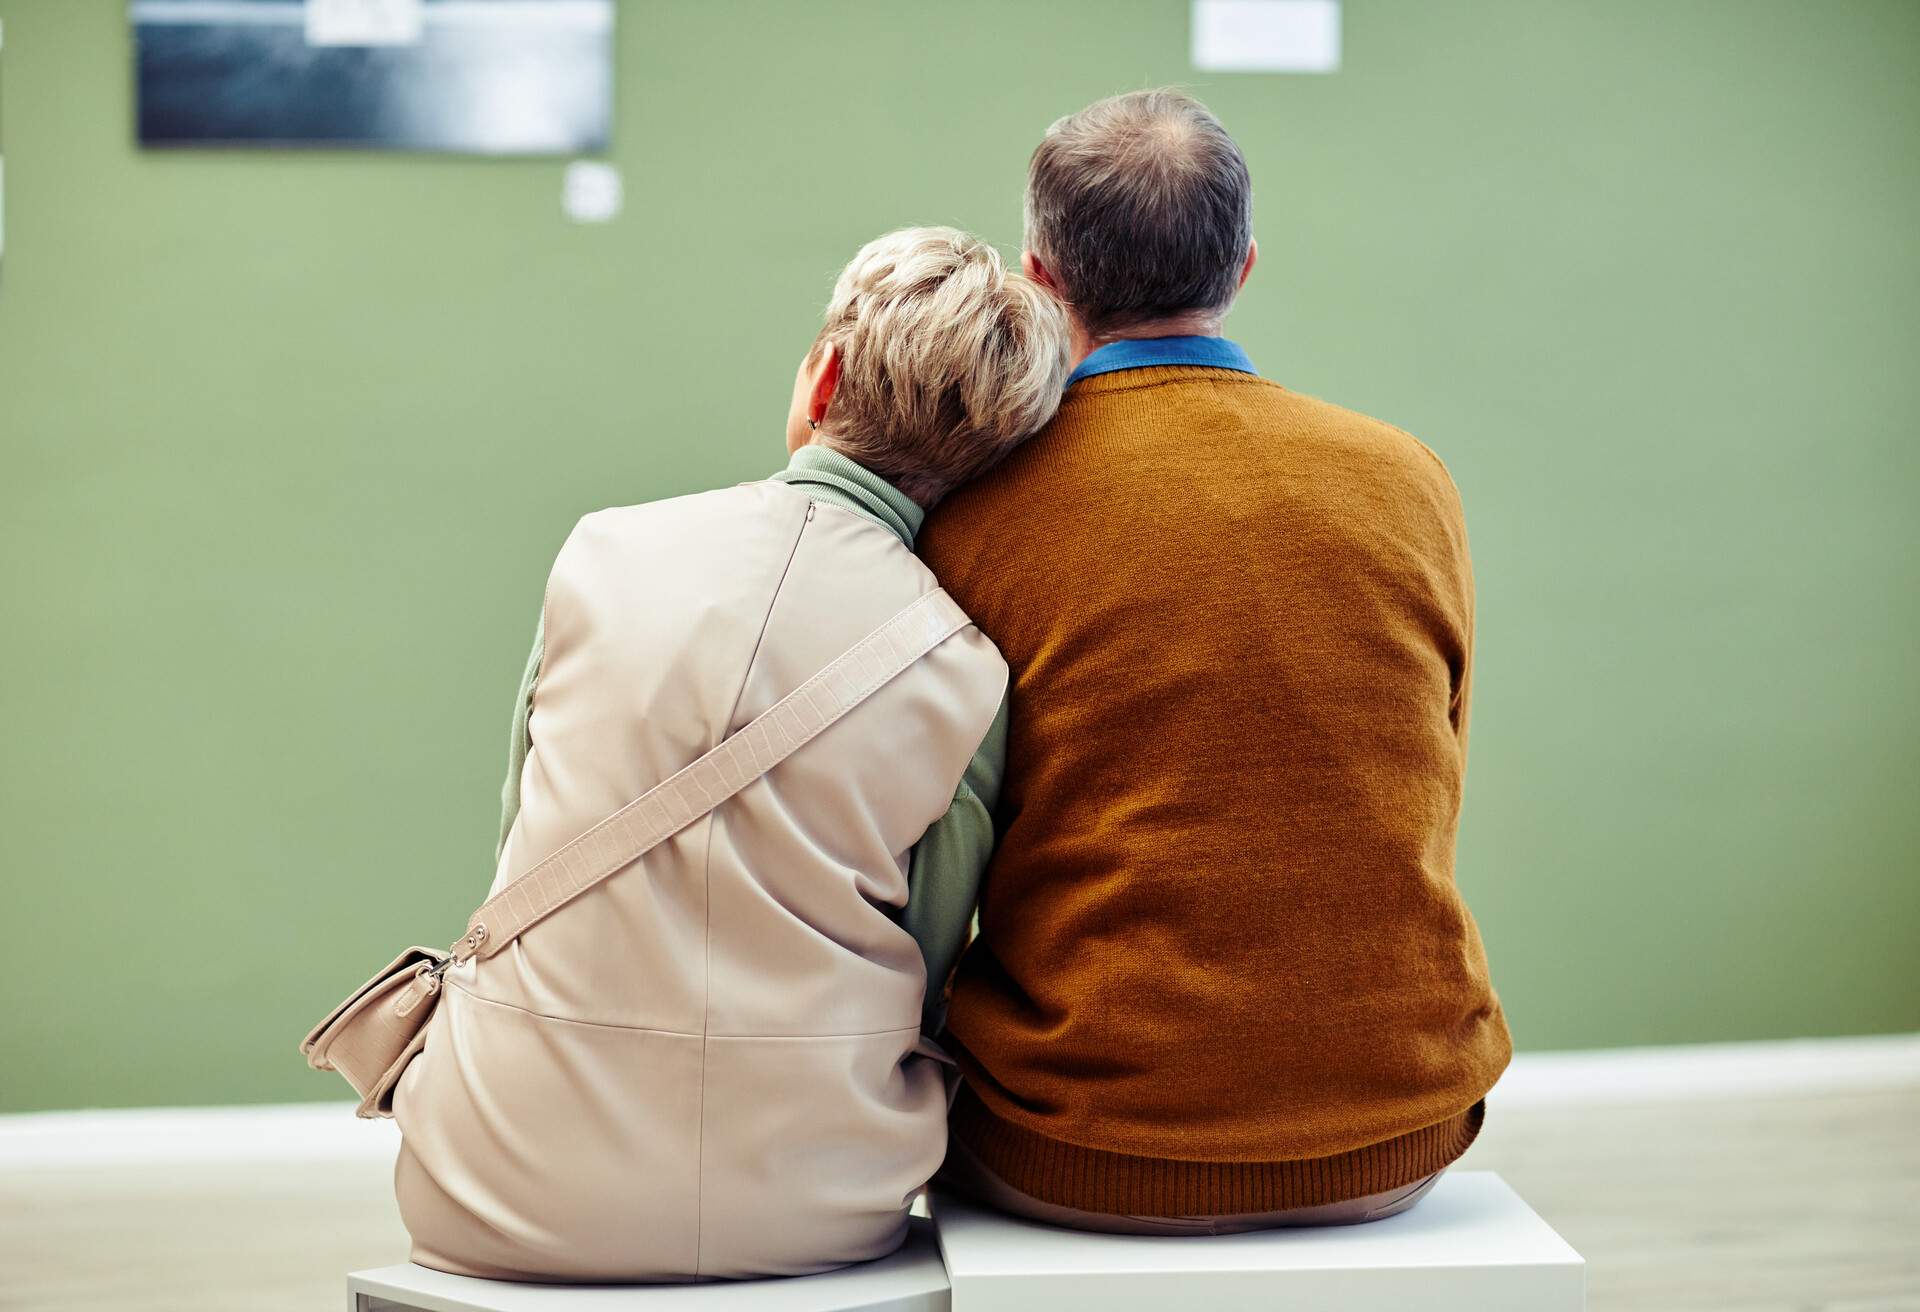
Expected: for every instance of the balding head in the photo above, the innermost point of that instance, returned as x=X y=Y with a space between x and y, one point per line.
x=1139 y=208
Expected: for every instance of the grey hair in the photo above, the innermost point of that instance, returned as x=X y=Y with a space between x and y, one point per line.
x=948 y=359
x=1141 y=208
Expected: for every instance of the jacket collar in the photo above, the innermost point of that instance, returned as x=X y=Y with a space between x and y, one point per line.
x=830 y=477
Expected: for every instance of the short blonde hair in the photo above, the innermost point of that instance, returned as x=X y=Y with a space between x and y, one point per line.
x=948 y=360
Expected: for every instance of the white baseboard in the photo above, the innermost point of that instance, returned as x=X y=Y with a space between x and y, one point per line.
x=328 y=1131
x=1695 y=1072
x=150 y=1136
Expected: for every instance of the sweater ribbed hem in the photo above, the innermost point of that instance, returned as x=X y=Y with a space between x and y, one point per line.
x=1118 y=1184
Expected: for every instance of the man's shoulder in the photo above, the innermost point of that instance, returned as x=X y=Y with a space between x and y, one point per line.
x=1175 y=436
x=1386 y=442
x=1162 y=414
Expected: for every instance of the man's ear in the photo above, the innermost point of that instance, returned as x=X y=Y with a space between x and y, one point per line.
x=1253 y=254
x=826 y=380
x=1031 y=266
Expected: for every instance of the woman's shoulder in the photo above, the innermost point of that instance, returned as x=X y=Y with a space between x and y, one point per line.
x=714 y=503
x=684 y=522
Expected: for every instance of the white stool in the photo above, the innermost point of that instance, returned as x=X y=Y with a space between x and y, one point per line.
x=911 y=1280
x=1471 y=1245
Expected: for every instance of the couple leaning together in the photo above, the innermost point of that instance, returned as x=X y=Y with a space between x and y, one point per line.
x=1197 y=771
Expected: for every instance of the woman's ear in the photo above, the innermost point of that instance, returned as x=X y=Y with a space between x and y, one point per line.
x=825 y=381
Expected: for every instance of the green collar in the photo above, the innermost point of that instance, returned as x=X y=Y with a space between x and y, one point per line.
x=828 y=476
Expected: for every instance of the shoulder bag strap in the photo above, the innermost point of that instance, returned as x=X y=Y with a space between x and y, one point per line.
x=663 y=811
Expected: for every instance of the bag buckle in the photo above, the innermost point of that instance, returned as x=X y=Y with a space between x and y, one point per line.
x=466 y=947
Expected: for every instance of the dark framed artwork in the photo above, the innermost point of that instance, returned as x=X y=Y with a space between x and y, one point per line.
x=490 y=77
x=3 y=170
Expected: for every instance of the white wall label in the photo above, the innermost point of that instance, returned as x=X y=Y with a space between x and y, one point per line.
x=591 y=192
x=1266 y=36
x=364 y=22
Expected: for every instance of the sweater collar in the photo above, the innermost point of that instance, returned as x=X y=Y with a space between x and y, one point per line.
x=1147 y=352
x=828 y=476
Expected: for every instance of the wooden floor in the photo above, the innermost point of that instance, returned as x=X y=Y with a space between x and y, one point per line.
x=1791 y=1205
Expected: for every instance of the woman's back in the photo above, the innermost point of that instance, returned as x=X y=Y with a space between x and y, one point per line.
x=705 y=1066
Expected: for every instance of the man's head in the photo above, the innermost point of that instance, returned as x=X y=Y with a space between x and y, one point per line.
x=1139 y=211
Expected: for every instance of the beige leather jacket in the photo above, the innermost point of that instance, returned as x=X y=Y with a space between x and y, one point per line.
x=706 y=1067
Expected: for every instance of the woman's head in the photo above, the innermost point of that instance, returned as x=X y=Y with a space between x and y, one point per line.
x=934 y=362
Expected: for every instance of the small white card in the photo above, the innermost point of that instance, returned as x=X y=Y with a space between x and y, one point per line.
x=591 y=192
x=1266 y=36
x=364 y=22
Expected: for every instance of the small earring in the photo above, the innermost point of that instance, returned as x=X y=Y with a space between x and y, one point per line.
x=813 y=423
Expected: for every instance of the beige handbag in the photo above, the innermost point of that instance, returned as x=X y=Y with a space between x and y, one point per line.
x=370 y=1037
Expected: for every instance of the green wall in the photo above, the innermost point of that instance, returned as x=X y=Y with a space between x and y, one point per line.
x=287 y=442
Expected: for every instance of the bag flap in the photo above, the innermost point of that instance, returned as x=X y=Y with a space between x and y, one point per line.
x=396 y=973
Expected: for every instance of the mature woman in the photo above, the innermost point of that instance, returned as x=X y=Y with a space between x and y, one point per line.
x=711 y=1064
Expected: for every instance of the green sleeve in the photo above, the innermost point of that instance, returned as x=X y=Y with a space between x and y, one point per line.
x=518 y=743
x=943 y=878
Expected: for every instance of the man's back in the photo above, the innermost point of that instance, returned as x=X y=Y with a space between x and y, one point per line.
x=1222 y=966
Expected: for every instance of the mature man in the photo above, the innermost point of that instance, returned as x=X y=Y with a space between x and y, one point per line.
x=1223 y=979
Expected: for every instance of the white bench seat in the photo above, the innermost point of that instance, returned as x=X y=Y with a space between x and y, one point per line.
x=910 y=1280
x=1471 y=1245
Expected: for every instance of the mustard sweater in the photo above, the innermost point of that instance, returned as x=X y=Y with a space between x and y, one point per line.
x=1222 y=963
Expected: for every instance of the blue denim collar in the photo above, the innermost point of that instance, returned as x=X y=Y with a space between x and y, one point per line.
x=1147 y=352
